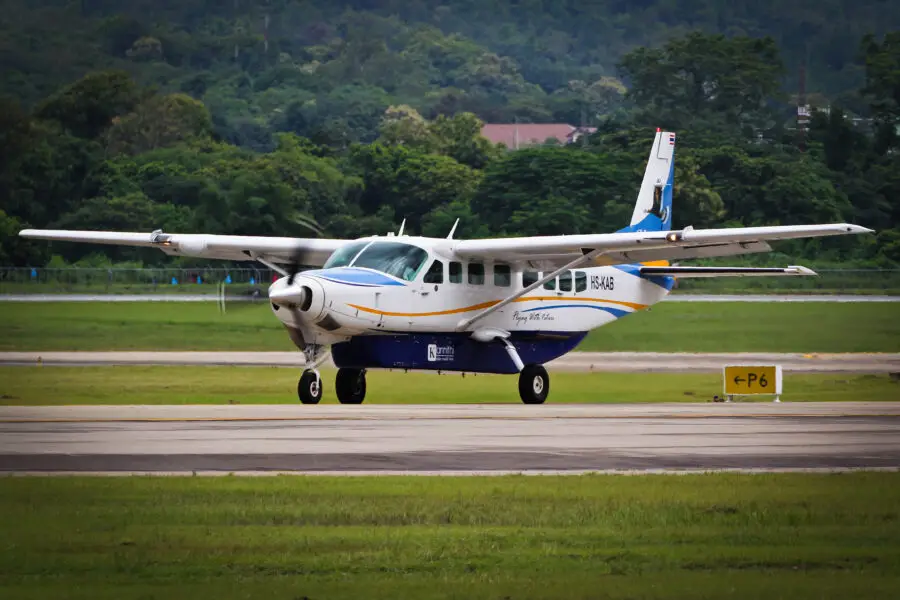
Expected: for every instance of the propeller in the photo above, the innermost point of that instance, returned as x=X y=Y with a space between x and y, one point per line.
x=233 y=297
x=298 y=258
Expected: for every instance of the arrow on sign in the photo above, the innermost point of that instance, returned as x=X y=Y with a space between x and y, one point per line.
x=738 y=379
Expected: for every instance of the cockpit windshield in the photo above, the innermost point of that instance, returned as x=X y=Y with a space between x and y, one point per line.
x=394 y=258
x=344 y=255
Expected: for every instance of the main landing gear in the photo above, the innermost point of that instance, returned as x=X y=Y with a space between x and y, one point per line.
x=350 y=386
x=534 y=384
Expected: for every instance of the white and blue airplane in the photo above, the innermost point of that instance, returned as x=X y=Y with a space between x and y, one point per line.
x=505 y=305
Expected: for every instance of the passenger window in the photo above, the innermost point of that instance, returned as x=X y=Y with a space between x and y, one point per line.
x=502 y=276
x=435 y=273
x=565 y=282
x=529 y=278
x=550 y=285
x=580 y=281
x=476 y=274
x=455 y=272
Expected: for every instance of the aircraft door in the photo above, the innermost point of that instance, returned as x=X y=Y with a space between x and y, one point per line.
x=433 y=279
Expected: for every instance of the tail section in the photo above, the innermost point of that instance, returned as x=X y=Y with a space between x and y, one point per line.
x=653 y=209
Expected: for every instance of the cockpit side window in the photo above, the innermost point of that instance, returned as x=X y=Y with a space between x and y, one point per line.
x=529 y=278
x=565 y=282
x=435 y=273
x=344 y=255
x=393 y=258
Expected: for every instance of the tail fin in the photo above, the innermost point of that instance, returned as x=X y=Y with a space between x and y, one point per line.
x=653 y=209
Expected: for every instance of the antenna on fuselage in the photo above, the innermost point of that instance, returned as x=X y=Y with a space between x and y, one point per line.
x=453 y=230
x=402 y=225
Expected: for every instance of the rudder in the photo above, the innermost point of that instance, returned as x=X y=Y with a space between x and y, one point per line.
x=653 y=209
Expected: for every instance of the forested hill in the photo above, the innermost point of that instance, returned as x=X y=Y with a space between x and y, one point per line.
x=498 y=58
x=232 y=116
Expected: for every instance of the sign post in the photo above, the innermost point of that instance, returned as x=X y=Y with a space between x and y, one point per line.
x=744 y=380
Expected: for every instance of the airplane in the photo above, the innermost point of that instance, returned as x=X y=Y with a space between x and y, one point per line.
x=507 y=305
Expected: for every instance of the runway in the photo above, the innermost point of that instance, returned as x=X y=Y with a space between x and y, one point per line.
x=449 y=439
x=622 y=362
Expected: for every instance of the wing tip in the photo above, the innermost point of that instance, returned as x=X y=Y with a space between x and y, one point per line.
x=800 y=270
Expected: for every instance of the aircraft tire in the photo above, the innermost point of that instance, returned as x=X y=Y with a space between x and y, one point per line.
x=350 y=386
x=309 y=388
x=534 y=384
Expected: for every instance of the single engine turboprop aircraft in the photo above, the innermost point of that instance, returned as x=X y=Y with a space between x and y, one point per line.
x=486 y=305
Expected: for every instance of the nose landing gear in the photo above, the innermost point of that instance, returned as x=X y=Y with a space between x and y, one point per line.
x=309 y=388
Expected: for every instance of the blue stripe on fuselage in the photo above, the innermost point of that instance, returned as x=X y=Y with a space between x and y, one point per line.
x=354 y=277
x=616 y=312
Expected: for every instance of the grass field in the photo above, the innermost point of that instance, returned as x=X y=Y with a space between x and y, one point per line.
x=667 y=327
x=268 y=385
x=693 y=536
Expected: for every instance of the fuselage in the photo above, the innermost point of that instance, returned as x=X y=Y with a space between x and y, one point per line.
x=391 y=301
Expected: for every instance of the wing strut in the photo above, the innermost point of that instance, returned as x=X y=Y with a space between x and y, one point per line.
x=571 y=265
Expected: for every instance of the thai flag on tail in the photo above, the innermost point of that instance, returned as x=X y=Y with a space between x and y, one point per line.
x=671 y=139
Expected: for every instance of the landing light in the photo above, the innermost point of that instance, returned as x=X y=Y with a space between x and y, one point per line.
x=672 y=237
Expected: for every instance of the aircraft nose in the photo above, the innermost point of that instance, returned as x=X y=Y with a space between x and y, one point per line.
x=295 y=295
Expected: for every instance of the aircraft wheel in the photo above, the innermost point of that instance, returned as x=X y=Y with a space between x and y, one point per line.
x=309 y=388
x=350 y=386
x=534 y=384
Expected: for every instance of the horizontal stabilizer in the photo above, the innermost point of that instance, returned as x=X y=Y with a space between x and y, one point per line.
x=682 y=272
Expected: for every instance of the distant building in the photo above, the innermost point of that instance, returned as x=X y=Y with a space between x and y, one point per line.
x=520 y=135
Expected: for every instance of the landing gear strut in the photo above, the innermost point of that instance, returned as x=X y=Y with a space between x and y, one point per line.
x=350 y=386
x=309 y=388
x=534 y=384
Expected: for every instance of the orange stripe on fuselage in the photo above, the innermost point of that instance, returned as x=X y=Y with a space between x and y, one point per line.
x=484 y=305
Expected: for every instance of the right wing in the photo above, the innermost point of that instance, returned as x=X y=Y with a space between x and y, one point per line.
x=644 y=246
x=311 y=252
x=691 y=272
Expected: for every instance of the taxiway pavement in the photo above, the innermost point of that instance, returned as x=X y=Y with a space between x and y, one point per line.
x=645 y=362
x=382 y=439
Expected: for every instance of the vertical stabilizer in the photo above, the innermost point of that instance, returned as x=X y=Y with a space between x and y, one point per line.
x=653 y=209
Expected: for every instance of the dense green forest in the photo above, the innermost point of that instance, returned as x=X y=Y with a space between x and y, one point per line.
x=288 y=117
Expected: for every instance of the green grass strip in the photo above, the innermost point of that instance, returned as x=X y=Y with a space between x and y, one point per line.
x=696 y=536
x=270 y=385
x=667 y=327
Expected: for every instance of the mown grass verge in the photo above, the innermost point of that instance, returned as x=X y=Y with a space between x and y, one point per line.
x=667 y=327
x=271 y=385
x=697 y=536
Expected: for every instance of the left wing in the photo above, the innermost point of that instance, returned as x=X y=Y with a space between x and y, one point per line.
x=644 y=246
x=314 y=251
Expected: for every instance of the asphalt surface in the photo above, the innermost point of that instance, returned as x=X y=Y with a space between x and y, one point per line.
x=212 y=298
x=449 y=439
x=630 y=362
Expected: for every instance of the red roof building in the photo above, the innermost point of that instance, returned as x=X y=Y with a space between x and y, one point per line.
x=520 y=135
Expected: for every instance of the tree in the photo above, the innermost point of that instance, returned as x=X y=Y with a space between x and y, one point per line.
x=705 y=77
x=403 y=125
x=410 y=182
x=88 y=106
x=883 y=87
x=16 y=251
x=158 y=122
x=550 y=191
